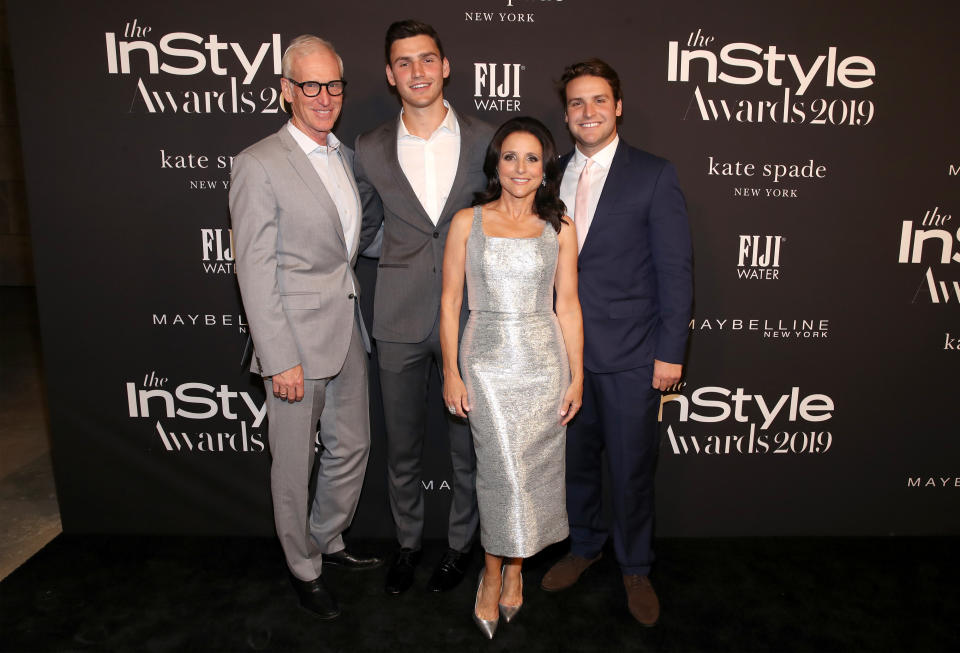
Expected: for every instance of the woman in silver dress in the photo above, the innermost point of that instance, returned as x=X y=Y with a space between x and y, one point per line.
x=521 y=354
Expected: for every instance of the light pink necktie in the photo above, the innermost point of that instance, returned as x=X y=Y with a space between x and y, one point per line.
x=581 y=204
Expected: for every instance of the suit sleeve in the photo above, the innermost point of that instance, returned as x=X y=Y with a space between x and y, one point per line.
x=672 y=258
x=254 y=213
x=370 y=203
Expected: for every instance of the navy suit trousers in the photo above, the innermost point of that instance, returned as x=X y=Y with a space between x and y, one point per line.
x=619 y=414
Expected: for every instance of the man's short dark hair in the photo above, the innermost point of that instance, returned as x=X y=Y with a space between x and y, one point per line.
x=594 y=68
x=404 y=29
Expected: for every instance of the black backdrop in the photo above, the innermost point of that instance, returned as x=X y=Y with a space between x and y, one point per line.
x=816 y=144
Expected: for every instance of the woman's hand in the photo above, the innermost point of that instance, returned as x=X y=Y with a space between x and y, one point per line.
x=455 y=396
x=572 y=400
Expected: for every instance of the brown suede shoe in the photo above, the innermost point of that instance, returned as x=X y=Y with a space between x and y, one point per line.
x=566 y=572
x=642 y=601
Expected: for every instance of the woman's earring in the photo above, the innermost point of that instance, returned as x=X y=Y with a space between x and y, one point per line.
x=543 y=182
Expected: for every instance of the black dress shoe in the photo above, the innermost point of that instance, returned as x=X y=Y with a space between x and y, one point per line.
x=449 y=572
x=315 y=597
x=400 y=575
x=347 y=560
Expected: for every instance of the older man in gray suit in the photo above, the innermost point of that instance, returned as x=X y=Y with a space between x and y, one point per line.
x=296 y=223
x=414 y=172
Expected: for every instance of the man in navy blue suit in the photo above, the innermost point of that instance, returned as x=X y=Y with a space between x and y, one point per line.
x=636 y=293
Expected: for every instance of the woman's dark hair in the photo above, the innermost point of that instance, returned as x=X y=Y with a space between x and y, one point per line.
x=546 y=202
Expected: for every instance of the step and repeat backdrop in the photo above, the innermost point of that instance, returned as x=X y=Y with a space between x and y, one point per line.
x=817 y=145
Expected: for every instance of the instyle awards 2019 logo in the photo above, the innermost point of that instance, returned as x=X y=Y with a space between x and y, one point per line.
x=929 y=243
x=805 y=84
x=178 y=413
x=792 y=423
x=138 y=51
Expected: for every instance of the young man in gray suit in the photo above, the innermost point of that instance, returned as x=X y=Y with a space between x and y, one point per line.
x=414 y=172
x=296 y=224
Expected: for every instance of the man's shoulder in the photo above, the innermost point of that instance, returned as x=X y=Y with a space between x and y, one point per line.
x=636 y=157
x=476 y=126
x=378 y=133
x=265 y=147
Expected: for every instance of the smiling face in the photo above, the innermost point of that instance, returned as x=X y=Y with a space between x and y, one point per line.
x=417 y=70
x=591 y=113
x=314 y=116
x=520 y=167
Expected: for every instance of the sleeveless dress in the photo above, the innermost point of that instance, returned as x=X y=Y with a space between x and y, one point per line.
x=515 y=368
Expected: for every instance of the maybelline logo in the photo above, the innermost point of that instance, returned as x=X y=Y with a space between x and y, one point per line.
x=140 y=52
x=512 y=16
x=496 y=87
x=238 y=321
x=217 y=251
x=933 y=481
x=157 y=398
x=743 y=64
x=759 y=257
x=940 y=251
x=777 y=329
x=714 y=404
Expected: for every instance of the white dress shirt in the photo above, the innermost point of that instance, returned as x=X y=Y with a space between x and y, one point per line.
x=332 y=169
x=598 y=177
x=430 y=164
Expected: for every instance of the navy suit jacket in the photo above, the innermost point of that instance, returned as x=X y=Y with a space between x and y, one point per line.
x=635 y=277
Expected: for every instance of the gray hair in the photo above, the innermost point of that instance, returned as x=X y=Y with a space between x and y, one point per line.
x=303 y=45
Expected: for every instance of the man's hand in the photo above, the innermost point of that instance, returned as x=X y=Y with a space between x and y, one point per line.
x=666 y=374
x=288 y=385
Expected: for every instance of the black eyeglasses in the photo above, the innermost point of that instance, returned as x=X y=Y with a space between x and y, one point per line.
x=312 y=89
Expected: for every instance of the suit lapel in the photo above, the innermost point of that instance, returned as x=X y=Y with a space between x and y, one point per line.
x=311 y=179
x=392 y=159
x=467 y=143
x=615 y=182
x=348 y=165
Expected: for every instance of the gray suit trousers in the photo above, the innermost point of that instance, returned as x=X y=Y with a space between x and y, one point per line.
x=341 y=404
x=404 y=377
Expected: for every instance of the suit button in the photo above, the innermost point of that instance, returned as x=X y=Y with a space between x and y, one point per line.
x=351 y=296
x=436 y=234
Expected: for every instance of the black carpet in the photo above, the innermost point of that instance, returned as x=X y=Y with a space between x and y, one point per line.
x=97 y=593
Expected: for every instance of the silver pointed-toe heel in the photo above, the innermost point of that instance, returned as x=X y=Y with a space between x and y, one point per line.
x=510 y=611
x=487 y=626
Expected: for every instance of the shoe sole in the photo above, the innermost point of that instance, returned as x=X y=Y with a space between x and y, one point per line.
x=645 y=625
x=333 y=563
x=397 y=591
x=321 y=617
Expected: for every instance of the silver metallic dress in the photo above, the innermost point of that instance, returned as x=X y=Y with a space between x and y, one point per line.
x=515 y=368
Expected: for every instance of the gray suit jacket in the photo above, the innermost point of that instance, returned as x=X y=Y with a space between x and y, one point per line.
x=296 y=276
x=407 y=298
